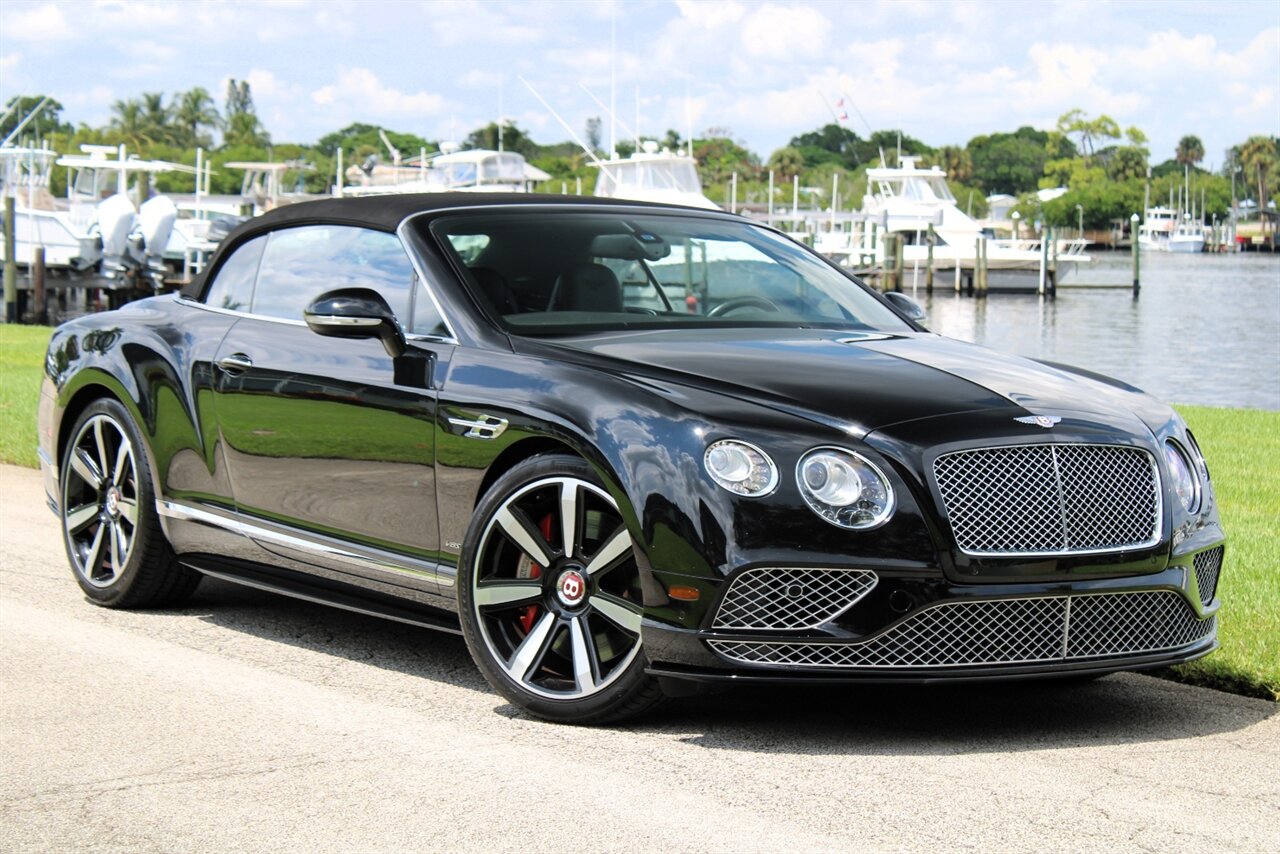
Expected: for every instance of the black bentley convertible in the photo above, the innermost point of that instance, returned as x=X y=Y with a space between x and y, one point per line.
x=625 y=449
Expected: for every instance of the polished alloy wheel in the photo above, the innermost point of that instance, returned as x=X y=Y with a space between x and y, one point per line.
x=555 y=589
x=100 y=501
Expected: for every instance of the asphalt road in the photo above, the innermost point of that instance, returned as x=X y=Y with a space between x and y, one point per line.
x=248 y=722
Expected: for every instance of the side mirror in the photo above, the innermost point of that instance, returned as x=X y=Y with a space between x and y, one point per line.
x=905 y=304
x=356 y=313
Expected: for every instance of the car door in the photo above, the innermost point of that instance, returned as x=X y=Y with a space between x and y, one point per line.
x=329 y=459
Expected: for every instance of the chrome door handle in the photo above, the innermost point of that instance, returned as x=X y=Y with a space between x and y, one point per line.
x=236 y=363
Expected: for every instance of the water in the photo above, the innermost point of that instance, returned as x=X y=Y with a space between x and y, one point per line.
x=1205 y=329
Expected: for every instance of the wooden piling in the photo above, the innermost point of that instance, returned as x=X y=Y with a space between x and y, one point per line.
x=898 y=266
x=928 y=270
x=1044 y=262
x=37 y=286
x=1134 y=244
x=1053 y=266
x=10 y=263
x=889 y=266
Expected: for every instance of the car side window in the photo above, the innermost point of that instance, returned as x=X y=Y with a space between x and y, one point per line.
x=232 y=286
x=300 y=264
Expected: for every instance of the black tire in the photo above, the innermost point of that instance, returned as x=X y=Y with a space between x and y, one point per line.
x=116 y=547
x=555 y=630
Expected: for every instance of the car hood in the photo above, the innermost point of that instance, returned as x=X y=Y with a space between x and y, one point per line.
x=862 y=382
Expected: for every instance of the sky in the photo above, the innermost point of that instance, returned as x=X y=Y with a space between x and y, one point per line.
x=941 y=71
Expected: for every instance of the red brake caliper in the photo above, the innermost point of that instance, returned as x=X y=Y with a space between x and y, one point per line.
x=530 y=613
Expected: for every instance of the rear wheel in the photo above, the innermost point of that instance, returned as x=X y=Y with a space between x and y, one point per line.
x=550 y=592
x=114 y=542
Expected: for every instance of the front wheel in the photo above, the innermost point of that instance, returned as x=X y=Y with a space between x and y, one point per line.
x=550 y=595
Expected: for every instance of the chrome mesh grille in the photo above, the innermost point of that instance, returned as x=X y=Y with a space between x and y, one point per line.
x=790 y=598
x=1135 y=622
x=1050 y=499
x=1008 y=631
x=1208 y=565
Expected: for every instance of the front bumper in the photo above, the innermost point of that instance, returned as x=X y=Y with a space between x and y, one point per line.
x=967 y=632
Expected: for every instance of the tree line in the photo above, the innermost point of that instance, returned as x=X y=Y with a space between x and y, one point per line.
x=1109 y=172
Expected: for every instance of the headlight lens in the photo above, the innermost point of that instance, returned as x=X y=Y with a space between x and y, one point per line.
x=844 y=488
x=740 y=468
x=1198 y=456
x=1185 y=482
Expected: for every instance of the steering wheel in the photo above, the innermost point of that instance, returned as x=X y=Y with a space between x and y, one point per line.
x=743 y=302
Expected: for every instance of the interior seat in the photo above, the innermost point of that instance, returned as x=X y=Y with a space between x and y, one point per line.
x=587 y=287
x=495 y=289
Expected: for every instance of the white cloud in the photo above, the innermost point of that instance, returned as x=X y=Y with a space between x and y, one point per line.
x=1256 y=103
x=153 y=50
x=138 y=16
x=42 y=24
x=266 y=86
x=10 y=61
x=880 y=58
x=710 y=14
x=91 y=105
x=1168 y=50
x=458 y=21
x=361 y=90
x=785 y=32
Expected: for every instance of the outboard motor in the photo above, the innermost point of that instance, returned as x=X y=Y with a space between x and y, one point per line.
x=116 y=219
x=155 y=220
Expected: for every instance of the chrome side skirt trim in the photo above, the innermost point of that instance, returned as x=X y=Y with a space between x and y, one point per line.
x=370 y=561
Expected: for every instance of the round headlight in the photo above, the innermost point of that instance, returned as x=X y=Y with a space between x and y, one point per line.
x=1185 y=482
x=1198 y=455
x=740 y=468
x=844 y=488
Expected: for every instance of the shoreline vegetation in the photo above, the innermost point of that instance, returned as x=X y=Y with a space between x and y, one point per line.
x=1108 y=171
x=1242 y=445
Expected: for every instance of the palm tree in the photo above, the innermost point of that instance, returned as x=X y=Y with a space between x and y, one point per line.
x=1190 y=151
x=955 y=161
x=156 y=116
x=787 y=162
x=192 y=111
x=1260 y=159
x=129 y=123
x=245 y=129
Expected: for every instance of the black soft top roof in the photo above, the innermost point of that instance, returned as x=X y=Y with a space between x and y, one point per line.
x=386 y=212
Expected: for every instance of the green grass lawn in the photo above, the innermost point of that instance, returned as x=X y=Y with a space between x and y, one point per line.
x=1242 y=446
x=1243 y=450
x=21 y=367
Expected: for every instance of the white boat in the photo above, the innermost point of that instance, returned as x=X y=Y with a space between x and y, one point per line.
x=653 y=175
x=268 y=185
x=97 y=224
x=1164 y=230
x=474 y=170
x=908 y=199
x=67 y=235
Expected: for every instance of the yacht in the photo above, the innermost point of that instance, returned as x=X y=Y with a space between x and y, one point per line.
x=653 y=175
x=1163 y=230
x=909 y=199
x=474 y=170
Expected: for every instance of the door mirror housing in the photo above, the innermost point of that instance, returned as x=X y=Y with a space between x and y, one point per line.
x=905 y=304
x=356 y=313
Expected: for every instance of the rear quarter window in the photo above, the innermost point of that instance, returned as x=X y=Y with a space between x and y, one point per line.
x=232 y=286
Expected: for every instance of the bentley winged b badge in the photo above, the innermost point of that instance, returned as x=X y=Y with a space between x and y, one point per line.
x=1045 y=421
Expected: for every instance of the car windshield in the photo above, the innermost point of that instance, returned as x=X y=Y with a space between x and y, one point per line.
x=558 y=273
